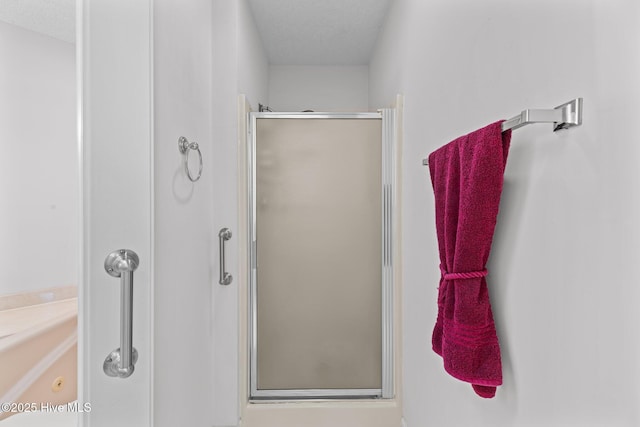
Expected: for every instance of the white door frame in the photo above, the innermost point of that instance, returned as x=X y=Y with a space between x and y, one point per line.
x=115 y=93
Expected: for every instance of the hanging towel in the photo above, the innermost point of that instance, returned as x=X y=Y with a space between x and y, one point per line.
x=467 y=176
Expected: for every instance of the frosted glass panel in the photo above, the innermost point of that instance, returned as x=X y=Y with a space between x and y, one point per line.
x=318 y=230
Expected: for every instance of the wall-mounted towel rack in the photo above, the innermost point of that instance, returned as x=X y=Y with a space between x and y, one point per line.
x=563 y=116
x=185 y=147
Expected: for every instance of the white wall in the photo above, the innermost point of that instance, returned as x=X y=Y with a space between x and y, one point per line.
x=319 y=88
x=225 y=122
x=206 y=53
x=239 y=66
x=185 y=240
x=561 y=277
x=39 y=162
x=115 y=74
x=253 y=65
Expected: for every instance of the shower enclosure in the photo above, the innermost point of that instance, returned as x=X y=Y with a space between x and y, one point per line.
x=320 y=265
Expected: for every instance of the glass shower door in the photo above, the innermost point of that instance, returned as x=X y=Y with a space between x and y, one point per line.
x=318 y=262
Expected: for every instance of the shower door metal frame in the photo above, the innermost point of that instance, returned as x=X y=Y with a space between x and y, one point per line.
x=388 y=188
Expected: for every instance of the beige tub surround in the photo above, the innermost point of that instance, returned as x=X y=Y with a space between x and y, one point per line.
x=38 y=354
x=41 y=296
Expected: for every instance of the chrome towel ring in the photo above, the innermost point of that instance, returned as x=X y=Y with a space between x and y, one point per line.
x=184 y=146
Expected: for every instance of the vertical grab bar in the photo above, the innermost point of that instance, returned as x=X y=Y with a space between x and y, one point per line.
x=223 y=236
x=120 y=362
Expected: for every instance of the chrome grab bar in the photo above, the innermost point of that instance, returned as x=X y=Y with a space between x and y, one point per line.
x=225 y=278
x=120 y=362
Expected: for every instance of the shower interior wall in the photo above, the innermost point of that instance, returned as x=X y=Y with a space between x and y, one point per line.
x=319 y=88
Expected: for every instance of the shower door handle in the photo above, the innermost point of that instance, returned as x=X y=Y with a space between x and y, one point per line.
x=120 y=362
x=223 y=236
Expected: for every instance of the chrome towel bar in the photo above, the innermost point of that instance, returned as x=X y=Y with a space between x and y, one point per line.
x=563 y=116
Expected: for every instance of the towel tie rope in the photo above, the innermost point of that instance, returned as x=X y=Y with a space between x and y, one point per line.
x=463 y=276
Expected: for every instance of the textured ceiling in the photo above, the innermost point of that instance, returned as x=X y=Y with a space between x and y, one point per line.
x=319 y=32
x=55 y=18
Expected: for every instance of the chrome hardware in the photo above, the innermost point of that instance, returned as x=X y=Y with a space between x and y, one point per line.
x=120 y=362
x=184 y=146
x=563 y=116
x=225 y=278
x=571 y=115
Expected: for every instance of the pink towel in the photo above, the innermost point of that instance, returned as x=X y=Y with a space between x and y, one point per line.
x=467 y=176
